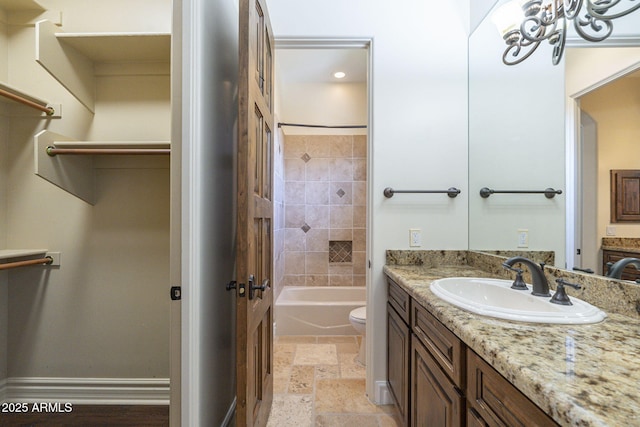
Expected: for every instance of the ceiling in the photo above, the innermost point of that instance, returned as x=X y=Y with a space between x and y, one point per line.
x=319 y=65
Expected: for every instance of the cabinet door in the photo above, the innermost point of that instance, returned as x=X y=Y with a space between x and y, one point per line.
x=398 y=342
x=497 y=401
x=474 y=420
x=435 y=401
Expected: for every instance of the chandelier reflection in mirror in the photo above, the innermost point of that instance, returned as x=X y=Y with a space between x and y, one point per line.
x=524 y=24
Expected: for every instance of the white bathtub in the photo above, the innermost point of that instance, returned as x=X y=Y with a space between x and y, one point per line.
x=302 y=310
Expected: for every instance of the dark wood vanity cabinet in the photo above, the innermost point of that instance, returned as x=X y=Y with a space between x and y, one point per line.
x=435 y=400
x=436 y=381
x=398 y=348
x=493 y=401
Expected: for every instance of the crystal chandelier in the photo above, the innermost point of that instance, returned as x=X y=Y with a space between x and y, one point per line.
x=524 y=24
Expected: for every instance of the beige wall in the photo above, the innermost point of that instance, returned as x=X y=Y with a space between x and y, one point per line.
x=616 y=110
x=325 y=200
x=105 y=311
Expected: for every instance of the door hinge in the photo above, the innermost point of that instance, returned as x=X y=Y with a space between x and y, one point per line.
x=176 y=293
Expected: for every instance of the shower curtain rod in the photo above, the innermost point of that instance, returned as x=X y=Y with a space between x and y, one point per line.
x=48 y=110
x=323 y=126
x=8 y=265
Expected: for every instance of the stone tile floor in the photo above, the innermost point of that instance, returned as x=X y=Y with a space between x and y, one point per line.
x=317 y=382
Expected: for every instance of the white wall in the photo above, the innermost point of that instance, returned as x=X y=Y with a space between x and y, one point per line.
x=418 y=137
x=516 y=142
x=323 y=104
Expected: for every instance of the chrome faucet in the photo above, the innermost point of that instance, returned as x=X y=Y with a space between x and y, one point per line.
x=615 y=270
x=540 y=284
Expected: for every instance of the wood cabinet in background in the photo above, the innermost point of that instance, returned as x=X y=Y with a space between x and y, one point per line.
x=629 y=273
x=625 y=195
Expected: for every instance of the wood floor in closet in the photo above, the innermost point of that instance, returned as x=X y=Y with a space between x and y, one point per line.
x=89 y=415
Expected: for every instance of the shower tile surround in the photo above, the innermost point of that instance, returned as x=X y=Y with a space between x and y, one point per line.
x=324 y=210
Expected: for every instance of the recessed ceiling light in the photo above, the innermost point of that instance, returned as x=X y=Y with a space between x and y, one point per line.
x=339 y=75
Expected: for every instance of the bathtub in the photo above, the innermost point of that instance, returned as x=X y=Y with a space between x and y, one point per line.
x=303 y=310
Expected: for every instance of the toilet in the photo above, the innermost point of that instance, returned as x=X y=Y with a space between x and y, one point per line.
x=358 y=319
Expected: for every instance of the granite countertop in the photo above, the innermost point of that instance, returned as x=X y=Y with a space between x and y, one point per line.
x=622 y=244
x=581 y=375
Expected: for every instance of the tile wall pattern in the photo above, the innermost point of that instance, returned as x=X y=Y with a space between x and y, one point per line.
x=324 y=200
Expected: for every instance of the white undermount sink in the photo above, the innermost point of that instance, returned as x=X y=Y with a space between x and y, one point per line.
x=495 y=298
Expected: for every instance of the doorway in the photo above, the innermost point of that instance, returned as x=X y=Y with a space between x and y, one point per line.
x=321 y=174
x=597 y=129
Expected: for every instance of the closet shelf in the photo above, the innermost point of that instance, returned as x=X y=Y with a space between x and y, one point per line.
x=13 y=95
x=20 y=253
x=75 y=174
x=20 y=5
x=120 y=47
x=71 y=58
x=109 y=148
x=12 y=258
x=27 y=12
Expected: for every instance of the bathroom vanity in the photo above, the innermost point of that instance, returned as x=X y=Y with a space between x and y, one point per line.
x=449 y=367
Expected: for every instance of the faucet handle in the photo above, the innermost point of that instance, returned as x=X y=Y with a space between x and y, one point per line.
x=561 y=297
x=565 y=283
x=518 y=283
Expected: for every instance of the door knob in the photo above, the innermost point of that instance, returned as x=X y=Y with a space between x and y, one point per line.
x=253 y=288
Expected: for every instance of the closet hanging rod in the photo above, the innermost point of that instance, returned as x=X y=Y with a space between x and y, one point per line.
x=16 y=264
x=549 y=193
x=302 y=125
x=451 y=192
x=53 y=151
x=48 y=110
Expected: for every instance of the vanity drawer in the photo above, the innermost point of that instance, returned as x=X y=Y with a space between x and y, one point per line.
x=399 y=299
x=446 y=348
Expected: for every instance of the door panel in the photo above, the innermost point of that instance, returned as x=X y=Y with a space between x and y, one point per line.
x=255 y=213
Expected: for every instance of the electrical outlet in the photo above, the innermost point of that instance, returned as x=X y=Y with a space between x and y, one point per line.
x=610 y=230
x=415 y=238
x=523 y=238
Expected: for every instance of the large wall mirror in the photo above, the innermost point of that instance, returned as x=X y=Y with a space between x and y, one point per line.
x=525 y=134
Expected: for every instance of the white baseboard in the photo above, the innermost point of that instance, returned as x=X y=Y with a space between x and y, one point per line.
x=87 y=391
x=382 y=397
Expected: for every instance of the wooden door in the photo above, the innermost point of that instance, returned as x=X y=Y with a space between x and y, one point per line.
x=255 y=215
